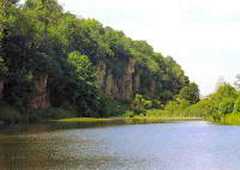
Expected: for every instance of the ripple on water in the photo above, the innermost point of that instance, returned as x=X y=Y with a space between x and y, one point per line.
x=170 y=146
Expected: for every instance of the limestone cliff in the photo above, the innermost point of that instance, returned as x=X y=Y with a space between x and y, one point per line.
x=152 y=88
x=122 y=87
x=41 y=98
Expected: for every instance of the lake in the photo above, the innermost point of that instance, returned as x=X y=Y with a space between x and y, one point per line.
x=195 y=145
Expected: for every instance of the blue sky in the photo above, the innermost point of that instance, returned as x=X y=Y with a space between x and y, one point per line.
x=202 y=35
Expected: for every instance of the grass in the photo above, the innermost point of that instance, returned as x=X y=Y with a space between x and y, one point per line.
x=128 y=120
x=231 y=119
x=151 y=116
x=86 y=120
x=11 y=115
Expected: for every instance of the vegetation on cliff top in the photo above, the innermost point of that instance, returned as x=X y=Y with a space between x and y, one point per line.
x=63 y=66
x=49 y=58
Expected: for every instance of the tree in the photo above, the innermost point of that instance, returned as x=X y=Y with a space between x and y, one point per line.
x=226 y=106
x=237 y=106
x=190 y=93
x=225 y=91
x=83 y=67
x=140 y=104
x=38 y=39
x=2 y=20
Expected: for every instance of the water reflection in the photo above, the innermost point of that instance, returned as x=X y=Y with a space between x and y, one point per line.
x=171 y=146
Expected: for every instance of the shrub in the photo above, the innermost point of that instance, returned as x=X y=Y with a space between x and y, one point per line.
x=231 y=119
x=226 y=106
x=176 y=108
x=51 y=113
x=9 y=114
x=237 y=105
x=140 y=104
x=201 y=109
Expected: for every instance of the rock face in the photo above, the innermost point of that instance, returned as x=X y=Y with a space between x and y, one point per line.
x=41 y=98
x=123 y=87
x=1 y=88
x=152 y=88
x=101 y=74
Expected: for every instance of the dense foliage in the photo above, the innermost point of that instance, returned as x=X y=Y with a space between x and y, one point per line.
x=190 y=93
x=219 y=105
x=41 y=45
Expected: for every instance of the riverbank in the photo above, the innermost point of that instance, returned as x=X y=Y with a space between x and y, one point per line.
x=230 y=119
x=128 y=120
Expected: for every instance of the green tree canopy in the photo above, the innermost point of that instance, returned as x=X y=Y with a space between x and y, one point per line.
x=83 y=67
x=190 y=93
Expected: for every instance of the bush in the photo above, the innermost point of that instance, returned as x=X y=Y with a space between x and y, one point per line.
x=237 y=106
x=201 y=109
x=226 y=106
x=217 y=105
x=114 y=108
x=51 y=113
x=9 y=114
x=156 y=113
x=129 y=114
x=231 y=119
x=176 y=108
x=140 y=104
x=157 y=104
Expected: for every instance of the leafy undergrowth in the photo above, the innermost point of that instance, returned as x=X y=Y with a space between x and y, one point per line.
x=231 y=119
x=9 y=114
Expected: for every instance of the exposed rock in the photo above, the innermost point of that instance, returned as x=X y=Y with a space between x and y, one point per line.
x=41 y=99
x=152 y=88
x=101 y=74
x=137 y=82
x=128 y=81
x=121 y=88
x=109 y=86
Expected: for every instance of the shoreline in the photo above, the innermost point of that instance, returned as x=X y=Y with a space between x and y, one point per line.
x=127 y=120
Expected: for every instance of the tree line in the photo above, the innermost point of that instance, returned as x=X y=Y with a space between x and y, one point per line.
x=48 y=59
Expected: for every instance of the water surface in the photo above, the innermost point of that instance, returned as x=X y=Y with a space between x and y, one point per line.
x=170 y=146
